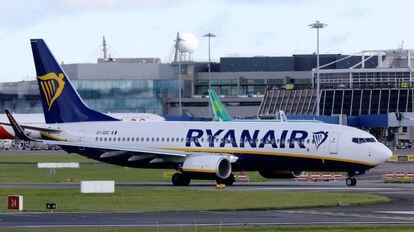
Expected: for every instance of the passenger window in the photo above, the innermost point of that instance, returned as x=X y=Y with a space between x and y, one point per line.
x=132 y=139
x=109 y=139
x=158 y=139
x=100 y=138
x=105 y=139
x=96 y=139
x=172 y=139
x=119 y=139
x=162 y=139
x=147 y=139
x=168 y=139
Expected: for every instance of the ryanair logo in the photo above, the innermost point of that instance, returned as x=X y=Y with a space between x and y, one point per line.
x=52 y=87
x=319 y=138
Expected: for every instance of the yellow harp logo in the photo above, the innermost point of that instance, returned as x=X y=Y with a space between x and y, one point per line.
x=51 y=86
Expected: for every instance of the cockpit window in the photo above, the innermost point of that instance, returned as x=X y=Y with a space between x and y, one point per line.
x=363 y=140
x=370 y=140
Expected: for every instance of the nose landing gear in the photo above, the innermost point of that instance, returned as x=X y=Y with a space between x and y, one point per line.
x=350 y=181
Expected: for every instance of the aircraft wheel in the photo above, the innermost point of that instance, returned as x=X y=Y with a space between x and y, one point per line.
x=350 y=181
x=354 y=181
x=179 y=179
x=228 y=181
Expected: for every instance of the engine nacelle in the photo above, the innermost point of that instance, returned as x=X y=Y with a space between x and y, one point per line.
x=276 y=174
x=199 y=166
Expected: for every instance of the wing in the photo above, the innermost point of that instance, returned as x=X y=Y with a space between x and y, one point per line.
x=135 y=150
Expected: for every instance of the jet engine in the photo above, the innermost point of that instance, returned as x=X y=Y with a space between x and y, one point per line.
x=277 y=174
x=208 y=166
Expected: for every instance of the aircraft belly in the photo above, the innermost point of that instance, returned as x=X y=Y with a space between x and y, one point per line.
x=254 y=162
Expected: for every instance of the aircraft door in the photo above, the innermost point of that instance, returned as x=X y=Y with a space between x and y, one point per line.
x=333 y=143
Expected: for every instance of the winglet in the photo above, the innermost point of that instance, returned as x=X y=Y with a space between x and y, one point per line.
x=18 y=130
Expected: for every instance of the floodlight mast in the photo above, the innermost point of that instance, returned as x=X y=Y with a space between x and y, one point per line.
x=317 y=25
x=178 y=53
x=209 y=36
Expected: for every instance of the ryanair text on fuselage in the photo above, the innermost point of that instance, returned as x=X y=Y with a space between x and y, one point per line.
x=254 y=138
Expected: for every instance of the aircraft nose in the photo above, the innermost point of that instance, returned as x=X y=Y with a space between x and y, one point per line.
x=386 y=153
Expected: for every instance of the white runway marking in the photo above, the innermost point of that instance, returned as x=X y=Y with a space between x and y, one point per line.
x=397 y=212
x=329 y=188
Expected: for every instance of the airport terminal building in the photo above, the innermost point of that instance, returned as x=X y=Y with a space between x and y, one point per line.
x=363 y=90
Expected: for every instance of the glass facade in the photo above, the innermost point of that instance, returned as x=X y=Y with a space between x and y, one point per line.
x=350 y=102
x=366 y=101
x=244 y=86
x=355 y=79
x=102 y=95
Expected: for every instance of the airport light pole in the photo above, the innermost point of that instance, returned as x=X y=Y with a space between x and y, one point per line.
x=209 y=36
x=177 y=47
x=317 y=25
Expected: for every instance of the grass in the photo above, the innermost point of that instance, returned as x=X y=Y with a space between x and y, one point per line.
x=12 y=172
x=30 y=173
x=178 y=199
x=39 y=157
x=24 y=173
x=230 y=229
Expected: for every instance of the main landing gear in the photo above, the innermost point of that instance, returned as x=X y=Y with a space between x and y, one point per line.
x=227 y=182
x=180 y=179
x=350 y=181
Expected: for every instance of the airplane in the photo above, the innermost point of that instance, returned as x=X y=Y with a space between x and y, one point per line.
x=196 y=150
x=220 y=112
x=6 y=132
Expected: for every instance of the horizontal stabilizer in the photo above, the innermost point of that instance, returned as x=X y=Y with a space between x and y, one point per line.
x=18 y=130
x=35 y=128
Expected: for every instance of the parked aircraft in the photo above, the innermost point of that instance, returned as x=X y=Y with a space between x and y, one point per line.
x=220 y=112
x=6 y=132
x=197 y=150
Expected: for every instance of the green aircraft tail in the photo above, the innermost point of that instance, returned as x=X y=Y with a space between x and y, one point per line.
x=219 y=110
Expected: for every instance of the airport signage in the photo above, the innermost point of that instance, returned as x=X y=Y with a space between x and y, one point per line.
x=15 y=202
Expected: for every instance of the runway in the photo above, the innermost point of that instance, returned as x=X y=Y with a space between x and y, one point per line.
x=398 y=211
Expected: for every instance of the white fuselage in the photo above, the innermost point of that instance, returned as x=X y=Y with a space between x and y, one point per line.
x=305 y=140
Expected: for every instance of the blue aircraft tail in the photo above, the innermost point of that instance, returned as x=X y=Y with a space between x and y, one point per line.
x=61 y=103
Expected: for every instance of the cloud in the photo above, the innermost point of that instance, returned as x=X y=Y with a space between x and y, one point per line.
x=338 y=40
x=111 y=5
x=17 y=14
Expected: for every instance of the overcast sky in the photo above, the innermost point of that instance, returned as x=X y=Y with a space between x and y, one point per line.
x=73 y=29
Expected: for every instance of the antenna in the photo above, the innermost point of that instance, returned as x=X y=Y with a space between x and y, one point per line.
x=177 y=47
x=104 y=49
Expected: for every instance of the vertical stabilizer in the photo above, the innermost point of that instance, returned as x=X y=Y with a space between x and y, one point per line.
x=61 y=103
x=219 y=110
